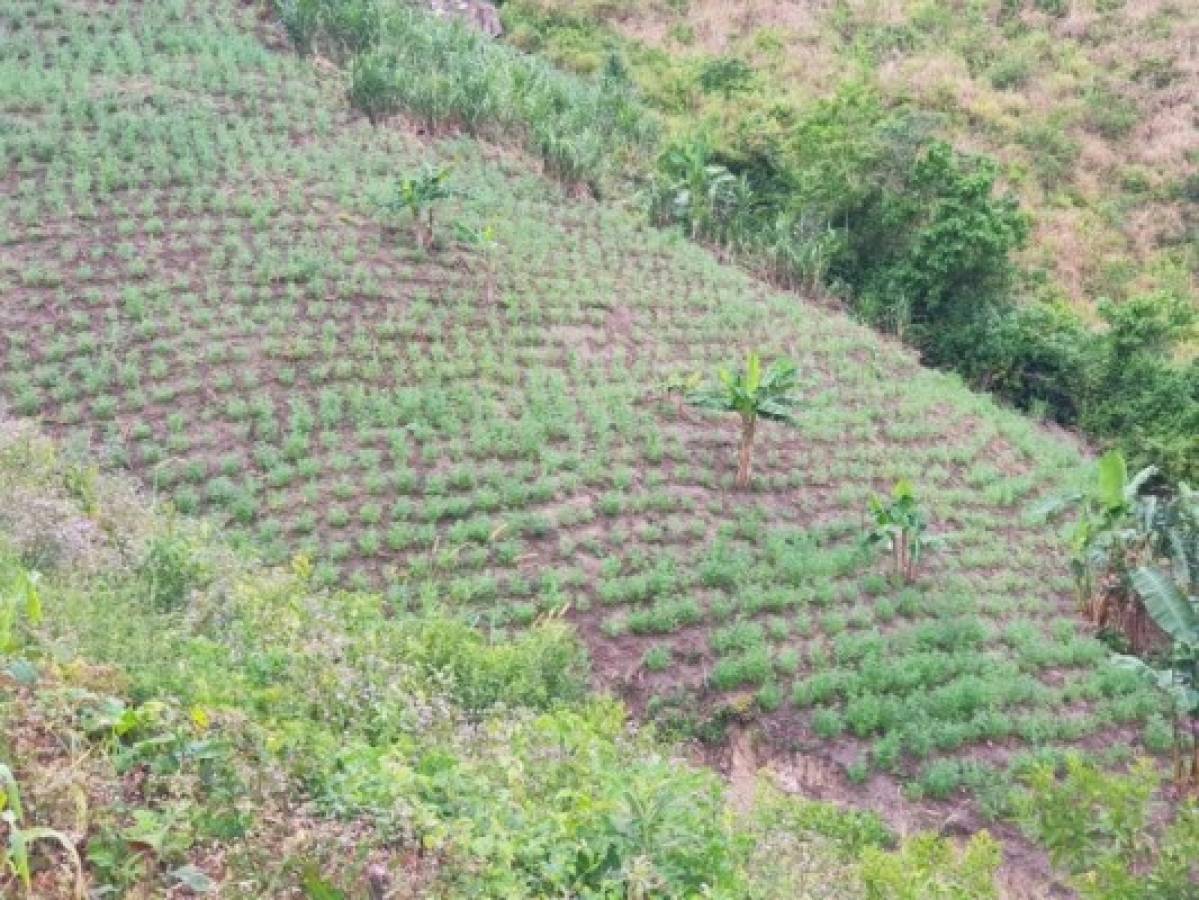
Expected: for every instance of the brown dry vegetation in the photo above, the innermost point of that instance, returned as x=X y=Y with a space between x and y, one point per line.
x=1092 y=112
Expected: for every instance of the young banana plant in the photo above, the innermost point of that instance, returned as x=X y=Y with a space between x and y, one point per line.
x=901 y=525
x=417 y=194
x=753 y=393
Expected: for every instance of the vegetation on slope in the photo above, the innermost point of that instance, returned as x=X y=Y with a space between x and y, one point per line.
x=241 y=321
x=194 y=723
x=205 y=279
x=815 y=142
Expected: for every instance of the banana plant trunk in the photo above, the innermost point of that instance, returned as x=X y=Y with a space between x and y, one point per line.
x=746 y=453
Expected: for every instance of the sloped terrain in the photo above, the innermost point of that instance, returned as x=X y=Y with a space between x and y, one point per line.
x=1088 y=105
x=200 y=283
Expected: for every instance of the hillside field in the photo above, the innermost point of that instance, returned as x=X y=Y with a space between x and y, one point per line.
x=202 y=287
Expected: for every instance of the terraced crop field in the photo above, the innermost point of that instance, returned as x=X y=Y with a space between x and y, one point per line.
x=199 y=279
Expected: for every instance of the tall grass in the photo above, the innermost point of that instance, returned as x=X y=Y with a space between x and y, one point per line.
x=448 y=76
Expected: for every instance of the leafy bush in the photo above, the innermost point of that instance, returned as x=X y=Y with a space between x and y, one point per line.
x=1101 y=828
x=541 y=667
x=930 y=866
x=171 y=568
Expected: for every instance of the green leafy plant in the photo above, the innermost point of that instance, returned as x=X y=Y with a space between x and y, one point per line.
x=752 y=393
x=22 y=601
x=418 y=194
x=692 y=189
x=930 y=866
x=1167 y=584
x=901 y=526
x=1117 y=529
x=1103 y=829
x=373 y=87
x=15 y=855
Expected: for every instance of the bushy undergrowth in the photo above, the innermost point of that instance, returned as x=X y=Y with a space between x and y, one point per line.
x=267 y=737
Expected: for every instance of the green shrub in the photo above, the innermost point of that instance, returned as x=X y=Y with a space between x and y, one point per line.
x=170 y=569
x=1100 y=827
x=542 y=666
x=931 y=866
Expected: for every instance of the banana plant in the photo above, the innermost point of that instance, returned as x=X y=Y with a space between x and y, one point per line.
x=1167 y=584
x=694 y=191
x=901 y=525
x=417 y=194
x=1117 y=527
x=753 y=393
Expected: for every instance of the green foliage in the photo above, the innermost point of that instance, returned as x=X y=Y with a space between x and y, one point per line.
x=725 y=75
x=171 y=568
x=928 y=866
x=692 y=189
x=373 y=77
x=405 y=58
x=540 y=668
x=16 y=855
x=900 y=524
x=752 y=393
x=345 y=26
x=934 y=253
x=1101 y=828
x=1117 y=529
x=415 y=731
x=418 y=194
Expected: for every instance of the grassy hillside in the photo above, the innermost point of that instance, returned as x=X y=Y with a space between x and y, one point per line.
x=191 y=725
x=1009 y=186
x=204 y=283
x=1086 y=103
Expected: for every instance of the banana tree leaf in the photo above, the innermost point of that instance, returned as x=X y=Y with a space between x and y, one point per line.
x=1112 y=479
x=1173 y=612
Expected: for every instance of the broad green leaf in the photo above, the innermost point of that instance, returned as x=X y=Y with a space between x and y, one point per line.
x=753 y=374
x=1113 y=478
x=1172 y=612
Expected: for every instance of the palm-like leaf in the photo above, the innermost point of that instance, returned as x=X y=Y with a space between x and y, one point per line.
x=1173 y=612
x=755 y=391
x=752 y=393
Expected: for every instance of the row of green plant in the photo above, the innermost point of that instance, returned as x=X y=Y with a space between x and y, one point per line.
x=415 y=734
x=852 y=194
